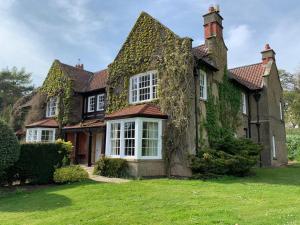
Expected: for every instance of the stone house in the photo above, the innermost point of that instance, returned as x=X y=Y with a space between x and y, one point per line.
x=151 y=105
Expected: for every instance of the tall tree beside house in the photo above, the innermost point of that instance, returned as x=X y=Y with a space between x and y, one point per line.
x=14 y=84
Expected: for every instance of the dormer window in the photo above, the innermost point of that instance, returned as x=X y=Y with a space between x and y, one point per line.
x=91 y=103
x=143 y=87
x=203 y=84
x=100 y=102
x=52 y=108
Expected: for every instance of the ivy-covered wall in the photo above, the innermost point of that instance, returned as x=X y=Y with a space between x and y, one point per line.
x=151 y=46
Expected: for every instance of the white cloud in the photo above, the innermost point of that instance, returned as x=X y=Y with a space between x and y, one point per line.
x=238 y=36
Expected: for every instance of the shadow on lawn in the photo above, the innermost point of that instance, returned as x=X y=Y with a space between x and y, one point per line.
x=43 y=199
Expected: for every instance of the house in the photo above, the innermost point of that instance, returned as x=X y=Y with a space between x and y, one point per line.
x=154 y=103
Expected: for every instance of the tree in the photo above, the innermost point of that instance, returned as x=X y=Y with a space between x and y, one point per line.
x=14 y=84
x=288 y=80
x=9 y=147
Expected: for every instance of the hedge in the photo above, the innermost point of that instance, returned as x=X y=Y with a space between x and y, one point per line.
x=111 y=167
x=37 y=163
x=70 y=174
x=293 y=145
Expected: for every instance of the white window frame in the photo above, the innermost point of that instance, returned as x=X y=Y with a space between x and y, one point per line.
x=203 y=76
x=138 y=138
x=49 y=107
x=273 y=147
x=137 y=78
x=280 y=110
x=244 y=103
x=89 y=109
x=30 y=138
x=99 y=107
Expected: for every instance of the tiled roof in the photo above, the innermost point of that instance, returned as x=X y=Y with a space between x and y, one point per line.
x=250 y=76
x=86 y=124
x=98 y=80
x=50 y=122
x=201 y=52
x=144 y=110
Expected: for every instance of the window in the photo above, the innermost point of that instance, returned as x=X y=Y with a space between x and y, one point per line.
x=51 y=110
x=40 y=135
x=273 y=147
x=91 y=103
x=100 y=102
x=244 y=103
x=115 y=138
x=203 y=84
x=143 y=87
x=150 y=139
x=129 y=138
x=280 y=110
x=138 y=138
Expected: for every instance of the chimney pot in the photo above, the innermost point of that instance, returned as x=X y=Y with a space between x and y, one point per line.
x=267 y=47
x=268 y=54
x=211 y=9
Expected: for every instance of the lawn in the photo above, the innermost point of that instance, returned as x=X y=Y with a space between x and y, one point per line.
x=270 y=197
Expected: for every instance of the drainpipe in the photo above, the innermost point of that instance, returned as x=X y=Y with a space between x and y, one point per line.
x=196 y=112
x=257 y=96
x=249 y=115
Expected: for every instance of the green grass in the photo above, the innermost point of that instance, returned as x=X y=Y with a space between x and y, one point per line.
x=270 y=197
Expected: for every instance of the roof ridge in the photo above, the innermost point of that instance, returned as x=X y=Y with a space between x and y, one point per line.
x=238 y=67
x=64 y=64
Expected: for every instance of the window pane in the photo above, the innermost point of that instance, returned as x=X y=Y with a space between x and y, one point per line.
x=52 y=107
x=101 y=100
x=150 y=139
x=115 y=138
x=129 y=138
x=91 y=104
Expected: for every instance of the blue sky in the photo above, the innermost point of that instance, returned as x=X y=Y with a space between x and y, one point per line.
x=34 y=33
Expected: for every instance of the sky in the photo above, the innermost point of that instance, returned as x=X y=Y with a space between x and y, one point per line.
x=34 y=33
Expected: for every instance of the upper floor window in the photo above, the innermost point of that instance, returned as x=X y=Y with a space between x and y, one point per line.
x=100 y=102
x=143 y=87
x=244 y=103
x=203 y=84
x=52 y=104
x=91 y=103
x=280 y=110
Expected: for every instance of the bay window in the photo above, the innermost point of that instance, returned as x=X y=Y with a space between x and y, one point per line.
x=138 y=138
x=52 y=106
x=203 y=84
x=143 y=87
x=40 y=134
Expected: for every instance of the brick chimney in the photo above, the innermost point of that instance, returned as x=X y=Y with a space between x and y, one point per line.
x=213 y=23
x=79 y=66
x=268 y=54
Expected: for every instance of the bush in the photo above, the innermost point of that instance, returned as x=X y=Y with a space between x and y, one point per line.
x=293 y=145
x=37 y=163
x=110 y=167
x=70 y=174
x=230 y=156
x=9 y=147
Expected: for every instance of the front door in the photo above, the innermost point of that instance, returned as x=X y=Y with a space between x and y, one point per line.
x=98 y=146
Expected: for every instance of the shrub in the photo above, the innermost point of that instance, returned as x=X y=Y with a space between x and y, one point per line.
x=293 y=145
x=9 y=147
x=67 y=148
x=110 y=167
x=37 y=163
x=70 y=174
x=230 y=156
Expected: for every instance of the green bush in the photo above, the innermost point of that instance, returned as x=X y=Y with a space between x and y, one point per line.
x=293 y=145
x=230 y=156
x=9 y=147
x=70 y=174
x=37 y=163
x=110 y=167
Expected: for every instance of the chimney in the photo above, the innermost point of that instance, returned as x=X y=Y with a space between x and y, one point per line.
x=268 y=54
x=213 y=23
x=79 y=66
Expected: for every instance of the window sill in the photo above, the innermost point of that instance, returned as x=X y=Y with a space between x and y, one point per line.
x=203 y=99
x=144 y=101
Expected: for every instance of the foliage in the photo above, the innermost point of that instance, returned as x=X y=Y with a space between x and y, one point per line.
x=110 y=167
x=293 y=145
x=9 y=147
x=292 y=107
x=230 y=156
x=14 y=84
x=288 y=80
x=70 y=174
x=37 y=163
x=57 y=84
x=151 y=46
x=67 y=148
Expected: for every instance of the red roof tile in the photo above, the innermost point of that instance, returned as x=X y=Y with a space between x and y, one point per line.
x=98 y=81
x=250 y=76
x=200 y=51
x=87 y=124
x=144 y=110
x=50 y=122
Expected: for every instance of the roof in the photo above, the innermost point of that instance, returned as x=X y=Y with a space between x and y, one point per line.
x=98 y=80
x=250 y=76
x=49 y=122
x=92 y=123
x=144 y=110
x=201 y=52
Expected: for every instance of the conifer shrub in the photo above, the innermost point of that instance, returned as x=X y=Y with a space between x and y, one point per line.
x=70 y=174
x=111 y=167
x=229 y=156
x=293 y=146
